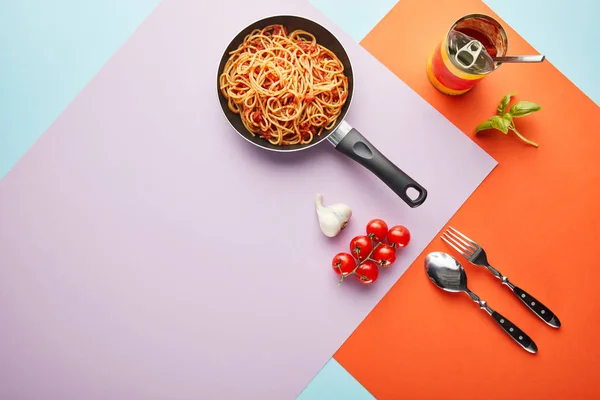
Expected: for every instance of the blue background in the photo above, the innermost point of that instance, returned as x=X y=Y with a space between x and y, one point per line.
x=50 y=50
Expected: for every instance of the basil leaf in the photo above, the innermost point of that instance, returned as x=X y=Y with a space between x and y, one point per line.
x=523 y=108
x=495 y=122
x=500 y=123
x=504 y=103
x=483 y=126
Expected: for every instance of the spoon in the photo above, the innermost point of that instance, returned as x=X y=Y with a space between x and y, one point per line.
x=447 y=273
x=520 y=59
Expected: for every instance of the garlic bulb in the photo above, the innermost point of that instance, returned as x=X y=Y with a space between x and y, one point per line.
x=332 y=219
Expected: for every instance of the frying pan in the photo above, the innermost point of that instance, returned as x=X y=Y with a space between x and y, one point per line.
x=344 y=137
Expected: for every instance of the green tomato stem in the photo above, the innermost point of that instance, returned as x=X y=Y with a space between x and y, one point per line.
x=361 y=262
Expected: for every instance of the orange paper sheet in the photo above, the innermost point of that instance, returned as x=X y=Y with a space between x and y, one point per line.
x=537 y=215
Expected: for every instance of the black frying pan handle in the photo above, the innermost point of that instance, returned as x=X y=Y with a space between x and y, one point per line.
x=355 y=146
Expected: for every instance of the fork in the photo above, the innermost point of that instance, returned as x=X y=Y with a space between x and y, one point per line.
x=475 y=254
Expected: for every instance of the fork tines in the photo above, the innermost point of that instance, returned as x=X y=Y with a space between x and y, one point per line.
x=460 y=242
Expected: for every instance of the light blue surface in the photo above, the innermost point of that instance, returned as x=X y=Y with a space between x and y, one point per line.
x=356 y=17
x=49 y=50
x=567 y=32
x=334 y=383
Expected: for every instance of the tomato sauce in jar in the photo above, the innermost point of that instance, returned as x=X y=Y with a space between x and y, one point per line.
x=464 y=56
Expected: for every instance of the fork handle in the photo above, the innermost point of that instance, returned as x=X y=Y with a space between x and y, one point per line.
x=537 y=307
x=531 y=302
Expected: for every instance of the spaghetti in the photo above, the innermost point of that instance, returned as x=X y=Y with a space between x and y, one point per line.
x=286 y=87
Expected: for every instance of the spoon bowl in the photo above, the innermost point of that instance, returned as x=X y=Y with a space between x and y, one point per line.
x=446 y=272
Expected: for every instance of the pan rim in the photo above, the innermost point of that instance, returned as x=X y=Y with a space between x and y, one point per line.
x=340 y=119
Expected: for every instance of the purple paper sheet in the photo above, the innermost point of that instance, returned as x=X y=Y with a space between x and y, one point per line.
x=148 y=252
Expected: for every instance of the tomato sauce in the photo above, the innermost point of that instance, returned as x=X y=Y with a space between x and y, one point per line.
x=482 y=38
x=455 y=78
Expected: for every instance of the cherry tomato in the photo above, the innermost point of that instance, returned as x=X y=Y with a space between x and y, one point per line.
x=398 y=236
x=367 y=273
x=384 y=255
x=361 y=247
x=343 y=264
x=377 y=229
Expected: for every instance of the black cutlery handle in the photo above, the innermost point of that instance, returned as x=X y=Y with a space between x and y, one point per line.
x=515 y=333
x=537 y=307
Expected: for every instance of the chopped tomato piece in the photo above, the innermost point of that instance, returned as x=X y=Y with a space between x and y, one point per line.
x=266 y=134
x=306 y=46
x=309 y=98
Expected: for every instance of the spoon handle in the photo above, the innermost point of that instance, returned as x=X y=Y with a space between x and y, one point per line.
x=511 y=329
x=521 y=59
x=514 y=332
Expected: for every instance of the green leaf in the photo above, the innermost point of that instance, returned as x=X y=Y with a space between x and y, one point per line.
x=483 y=126
x=504 y=103
x=523 y=108
x=495 y=122
x=500 y=123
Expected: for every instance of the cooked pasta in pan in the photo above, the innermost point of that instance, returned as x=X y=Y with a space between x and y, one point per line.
x=286 y=87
